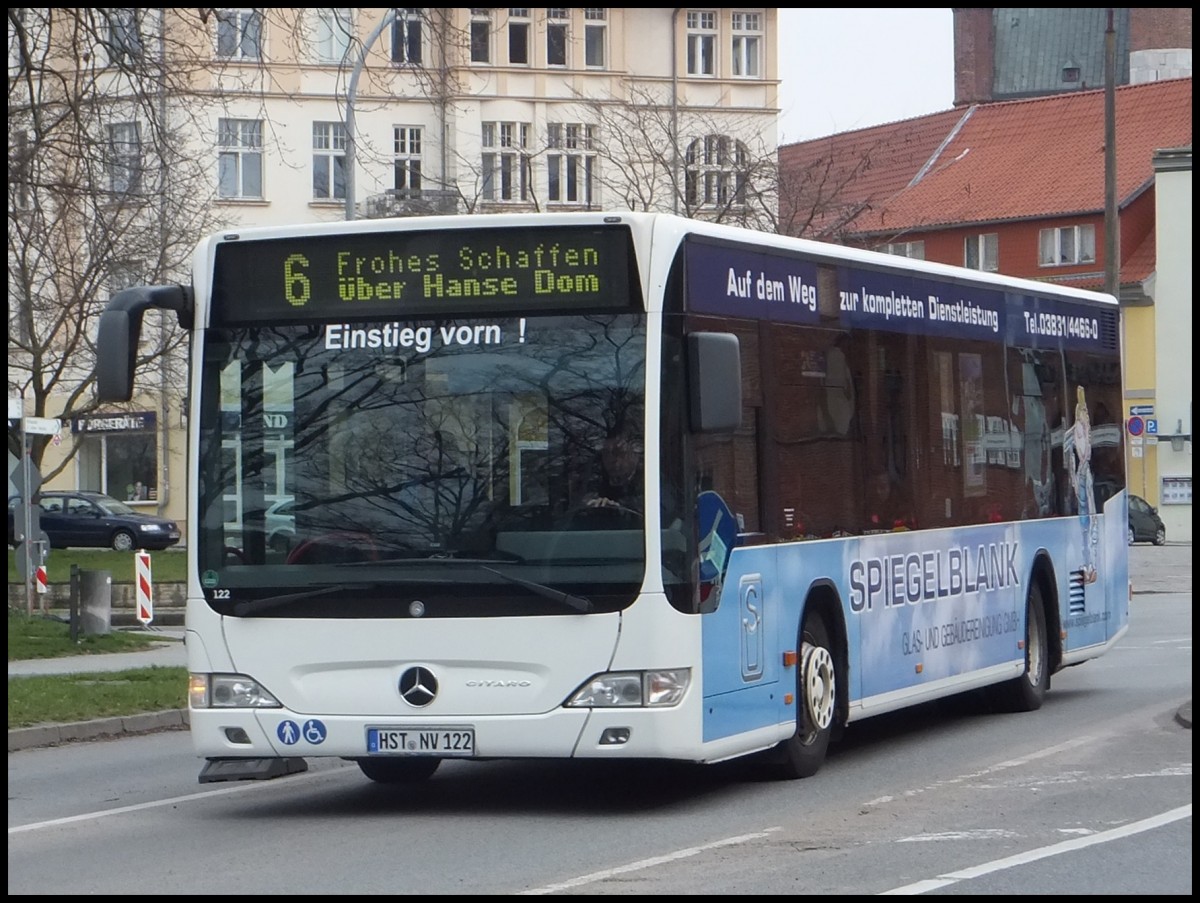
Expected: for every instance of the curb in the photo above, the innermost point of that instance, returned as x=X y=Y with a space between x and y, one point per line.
x=43 y=735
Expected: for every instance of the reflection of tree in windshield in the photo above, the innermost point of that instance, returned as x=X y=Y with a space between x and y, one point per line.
x=422 y=452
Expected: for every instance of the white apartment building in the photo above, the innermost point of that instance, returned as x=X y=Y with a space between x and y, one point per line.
x=310 y=115
x=478 y=110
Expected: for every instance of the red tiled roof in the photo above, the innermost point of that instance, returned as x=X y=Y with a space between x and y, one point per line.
x=988 y=163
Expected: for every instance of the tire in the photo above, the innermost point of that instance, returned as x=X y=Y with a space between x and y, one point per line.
x=1132 y=537
x=1027 y=692
x=123 y=541
x=399 y=769
x=1160 y=536
x=802 y=754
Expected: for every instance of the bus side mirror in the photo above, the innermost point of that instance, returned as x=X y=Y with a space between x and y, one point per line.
x=714 y=382
x=116 y=343
x=120 y=331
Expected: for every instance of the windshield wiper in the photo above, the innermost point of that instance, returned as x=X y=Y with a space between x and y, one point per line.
x=576 y=603
x=253 y=605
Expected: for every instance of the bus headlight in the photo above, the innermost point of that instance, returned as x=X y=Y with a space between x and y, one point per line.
x=228 y=691
x=632 y=689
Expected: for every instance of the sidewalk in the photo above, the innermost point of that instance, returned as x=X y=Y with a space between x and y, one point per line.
x=1152 y=569
x=170 y=653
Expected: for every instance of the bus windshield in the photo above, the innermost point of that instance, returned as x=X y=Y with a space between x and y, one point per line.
x=480 y=466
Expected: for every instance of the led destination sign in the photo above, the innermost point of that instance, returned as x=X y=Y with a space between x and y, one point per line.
x=452 y=271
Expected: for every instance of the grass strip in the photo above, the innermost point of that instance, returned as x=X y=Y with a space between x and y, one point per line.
x=58 y=698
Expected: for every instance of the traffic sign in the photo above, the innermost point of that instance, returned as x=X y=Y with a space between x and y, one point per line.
x=1141 y=410
x=42 y=426
x=1136 y=426
x=41 y=578
x=26 y=479
x=1151 y=427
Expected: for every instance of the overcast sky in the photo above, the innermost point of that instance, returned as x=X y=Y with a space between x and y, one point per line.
x=844 y=69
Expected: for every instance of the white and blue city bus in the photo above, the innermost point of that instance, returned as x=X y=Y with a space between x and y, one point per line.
x=852 y=483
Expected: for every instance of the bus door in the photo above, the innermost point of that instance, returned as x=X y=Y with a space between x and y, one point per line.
x=740 y=634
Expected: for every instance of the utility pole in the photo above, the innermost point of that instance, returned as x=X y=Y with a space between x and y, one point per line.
x=1112 y=228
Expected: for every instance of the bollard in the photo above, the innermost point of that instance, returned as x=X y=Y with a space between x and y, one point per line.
x=73 y=602
x=95 y=590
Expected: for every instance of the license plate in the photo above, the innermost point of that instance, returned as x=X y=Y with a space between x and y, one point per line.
x=424 y=741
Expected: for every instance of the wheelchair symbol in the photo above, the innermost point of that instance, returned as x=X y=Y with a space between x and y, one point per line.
x=314 y=731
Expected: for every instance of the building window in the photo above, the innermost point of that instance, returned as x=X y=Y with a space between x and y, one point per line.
x=701 y=43
x=1067 y=245
x=124 y=40
x=125 y=158
x=481 y=35
x=329 y=160
x=118 y=455
x=124 y=274
x=505 y=161
x=595 y=31
x=406 y=36
x=334 y=32
x=518 y=36
x=571 y=163
x=239 y=34
x=747 y=44
x=20 y=176
x=982 y=252
x=717 y=172
x=406 y=158
x=913 y=249
x=240 y=159
x=556 y=35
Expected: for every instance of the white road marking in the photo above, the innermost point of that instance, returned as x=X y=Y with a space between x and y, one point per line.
x=174 y=801
x=646 y=863
x=1066 y=846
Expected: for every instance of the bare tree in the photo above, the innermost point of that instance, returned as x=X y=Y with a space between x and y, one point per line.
x=821 y=192
x=104 y=192
x=113 y=178
x=703 y=163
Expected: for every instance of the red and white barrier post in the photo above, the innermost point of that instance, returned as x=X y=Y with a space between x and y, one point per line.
x=145 y=602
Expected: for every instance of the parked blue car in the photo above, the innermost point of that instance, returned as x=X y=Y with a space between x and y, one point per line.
x=96 y=520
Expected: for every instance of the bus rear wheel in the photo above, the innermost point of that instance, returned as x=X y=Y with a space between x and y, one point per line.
x=1026 y=693
x=801 y=755
x=399 y=770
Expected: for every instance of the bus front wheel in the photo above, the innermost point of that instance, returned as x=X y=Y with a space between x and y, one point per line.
x=1026 y=693
x=801 y=755
x=399 y=770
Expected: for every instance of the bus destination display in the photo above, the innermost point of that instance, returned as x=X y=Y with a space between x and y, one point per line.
x=389 y=273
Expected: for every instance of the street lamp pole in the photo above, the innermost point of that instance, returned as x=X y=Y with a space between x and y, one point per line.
x=351 y=95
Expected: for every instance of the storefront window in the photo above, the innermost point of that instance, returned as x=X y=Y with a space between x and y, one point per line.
x=118 y=455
